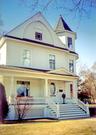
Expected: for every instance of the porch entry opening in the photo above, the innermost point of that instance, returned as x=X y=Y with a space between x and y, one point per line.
x=23 y=88
x=61 y=96
x=71 y=91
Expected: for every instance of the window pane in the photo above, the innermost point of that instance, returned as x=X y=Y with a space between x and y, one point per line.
x=71 y=66
x=69 y=42
x=52 y=89
x=38 y=35
x=23 y=88
x=52 y=61
x=26 y=57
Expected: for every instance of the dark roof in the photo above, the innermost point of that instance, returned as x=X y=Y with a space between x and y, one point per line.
x=65 y=24
x=29 y=68
x=41 y=43
x=35 y=69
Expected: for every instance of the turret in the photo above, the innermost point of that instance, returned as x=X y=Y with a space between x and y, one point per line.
x=65 y=34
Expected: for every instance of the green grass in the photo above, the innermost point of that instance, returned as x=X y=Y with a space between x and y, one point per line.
x=64 y=127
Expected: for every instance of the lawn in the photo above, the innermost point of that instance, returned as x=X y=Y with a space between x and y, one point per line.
x=44 y=127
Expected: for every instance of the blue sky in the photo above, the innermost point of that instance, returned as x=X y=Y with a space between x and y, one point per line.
x=13 y=13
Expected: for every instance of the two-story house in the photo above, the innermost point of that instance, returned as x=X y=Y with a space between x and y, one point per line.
x=42 y=59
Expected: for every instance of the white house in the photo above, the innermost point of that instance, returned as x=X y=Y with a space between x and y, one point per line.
x=44 y=60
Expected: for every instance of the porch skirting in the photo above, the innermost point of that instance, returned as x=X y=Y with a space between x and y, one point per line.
x=34 y=111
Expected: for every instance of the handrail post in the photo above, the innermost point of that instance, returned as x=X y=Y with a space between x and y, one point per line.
x=58 y=114
x=87 y=109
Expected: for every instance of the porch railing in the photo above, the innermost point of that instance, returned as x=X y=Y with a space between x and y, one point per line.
x=29 y=100
x=84 y=106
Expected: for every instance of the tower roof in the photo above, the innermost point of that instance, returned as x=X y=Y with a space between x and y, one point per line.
x=62 y=25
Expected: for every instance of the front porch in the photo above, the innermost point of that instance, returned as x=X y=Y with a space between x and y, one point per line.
x=44 y=91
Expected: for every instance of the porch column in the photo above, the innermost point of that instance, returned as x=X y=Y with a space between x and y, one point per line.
x=1 y=79
x=75 y=89
x=67 y=89
x=46 y=88
x=12 y=94
x=46 y=95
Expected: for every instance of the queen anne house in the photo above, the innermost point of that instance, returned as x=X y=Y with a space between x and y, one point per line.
x=44 y=60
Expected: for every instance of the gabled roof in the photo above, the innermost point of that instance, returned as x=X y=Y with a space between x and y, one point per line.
x=62 y=25
x=61 y=71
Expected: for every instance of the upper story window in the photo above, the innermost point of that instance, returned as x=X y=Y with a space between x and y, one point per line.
x=52 y=61
x=69 y=42
x=38 y=35
x=26 y=57
x=71 y=66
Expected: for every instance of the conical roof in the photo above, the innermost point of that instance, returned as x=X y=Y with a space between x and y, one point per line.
x=62 y=25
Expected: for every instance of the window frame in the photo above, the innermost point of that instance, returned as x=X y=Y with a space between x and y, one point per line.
x=52 y=89
x=38 y=35
x=52 y=61
x=70 y=42
x=26 y=57
x=71 y=66
x=26 y=85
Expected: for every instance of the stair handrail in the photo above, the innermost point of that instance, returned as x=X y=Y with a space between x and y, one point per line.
x=84 y=106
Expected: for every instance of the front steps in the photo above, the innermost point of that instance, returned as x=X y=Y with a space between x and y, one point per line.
x=71 y=111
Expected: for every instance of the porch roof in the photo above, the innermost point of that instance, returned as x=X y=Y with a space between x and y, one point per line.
x=35 y=73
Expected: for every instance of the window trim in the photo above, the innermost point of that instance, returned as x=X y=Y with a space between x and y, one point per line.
x=38 y=35
x=26 y=57
x=52 y=62
x=71 y=66
x=52 y=91
x=23 y=85
x=70 y=42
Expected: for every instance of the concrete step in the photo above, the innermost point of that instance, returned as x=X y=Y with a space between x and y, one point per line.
x=72 y=117
x=61 y=113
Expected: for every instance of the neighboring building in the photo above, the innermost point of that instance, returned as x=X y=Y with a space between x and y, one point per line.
x=45 y=61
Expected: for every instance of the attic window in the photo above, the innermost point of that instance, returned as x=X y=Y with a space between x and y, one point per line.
x=38 y=35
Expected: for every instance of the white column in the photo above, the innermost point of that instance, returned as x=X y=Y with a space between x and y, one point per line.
x=75 y=89
x=46 y=95
x=46 y=88
x=12 y=94
x=1 y=79
x=67 y=89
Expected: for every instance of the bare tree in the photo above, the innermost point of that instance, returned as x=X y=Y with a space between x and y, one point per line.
x=22 y=106
x=77 y=6
x=88 y=83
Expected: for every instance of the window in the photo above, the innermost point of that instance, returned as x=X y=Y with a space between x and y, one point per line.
x=52 y=61
x=38 y=35
x=23 y=88
x=70 y=42
x=26 y=57
x=52 y=89
x=71 y=66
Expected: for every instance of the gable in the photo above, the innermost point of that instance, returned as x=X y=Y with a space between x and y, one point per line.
x=61 y=71
x=37 y=23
